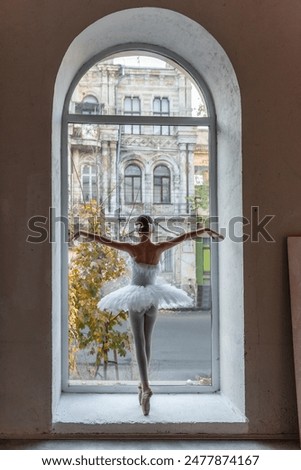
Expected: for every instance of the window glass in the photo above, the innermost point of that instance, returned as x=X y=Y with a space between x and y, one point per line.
x=117 y=170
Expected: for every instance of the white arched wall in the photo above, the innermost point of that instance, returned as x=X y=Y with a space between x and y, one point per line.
x=163 y=28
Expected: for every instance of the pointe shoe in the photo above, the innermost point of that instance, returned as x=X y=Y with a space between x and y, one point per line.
x=140 y=394
x=145 y=401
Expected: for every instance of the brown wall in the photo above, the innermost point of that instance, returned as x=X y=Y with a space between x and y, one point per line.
x=262 y=39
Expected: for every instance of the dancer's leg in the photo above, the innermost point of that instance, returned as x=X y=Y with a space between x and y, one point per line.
x=149 y=321
x=150 y=317
x=137 y=325
x=142 y=324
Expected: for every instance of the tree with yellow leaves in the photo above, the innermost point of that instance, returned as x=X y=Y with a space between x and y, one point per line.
x=90 y=329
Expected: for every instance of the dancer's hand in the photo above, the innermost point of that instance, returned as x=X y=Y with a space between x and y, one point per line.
x=212 y=233
x=77 y=234
x=72 y=236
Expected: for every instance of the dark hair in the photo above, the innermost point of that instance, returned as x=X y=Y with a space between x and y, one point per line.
x=144 y=222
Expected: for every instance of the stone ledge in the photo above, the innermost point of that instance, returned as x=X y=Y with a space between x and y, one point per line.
x=170 y=414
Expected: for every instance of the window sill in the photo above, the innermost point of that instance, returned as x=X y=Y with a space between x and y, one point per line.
x=121 y=414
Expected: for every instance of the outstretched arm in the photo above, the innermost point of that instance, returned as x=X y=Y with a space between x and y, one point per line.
x=104 y=240
x=189 y=236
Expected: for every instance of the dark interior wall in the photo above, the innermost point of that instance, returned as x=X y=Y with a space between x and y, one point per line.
x=262 y=39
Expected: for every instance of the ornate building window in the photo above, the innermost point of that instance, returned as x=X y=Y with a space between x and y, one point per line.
x=167 y=261
x=89 y=105
x=132 y=184
x=161 y=185
x=161 y=108
x=89 y=182
x=132 y=108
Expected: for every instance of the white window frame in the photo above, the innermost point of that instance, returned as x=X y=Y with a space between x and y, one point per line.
x=222 y=413
x=132 y=119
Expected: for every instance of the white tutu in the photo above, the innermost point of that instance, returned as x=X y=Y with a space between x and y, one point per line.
x=144 y=292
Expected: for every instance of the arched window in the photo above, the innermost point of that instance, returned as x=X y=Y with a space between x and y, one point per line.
x=89 y=105
x=132 y=184
x=130 y=128
x=205 y=62
x=89 y=182
x=161 y=185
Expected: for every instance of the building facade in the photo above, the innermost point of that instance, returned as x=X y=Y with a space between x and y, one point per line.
x=137 y=169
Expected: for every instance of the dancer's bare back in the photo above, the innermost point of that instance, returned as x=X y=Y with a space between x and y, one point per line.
x=145 y=251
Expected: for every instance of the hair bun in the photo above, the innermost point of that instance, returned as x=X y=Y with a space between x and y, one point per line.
x=144 y=222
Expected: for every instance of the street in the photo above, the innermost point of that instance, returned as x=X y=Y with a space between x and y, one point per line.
x=181 y=350
x=181 y=346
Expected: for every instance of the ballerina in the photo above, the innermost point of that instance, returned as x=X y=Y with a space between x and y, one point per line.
x=143 y=296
